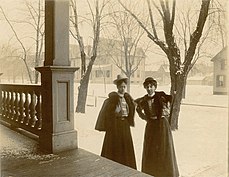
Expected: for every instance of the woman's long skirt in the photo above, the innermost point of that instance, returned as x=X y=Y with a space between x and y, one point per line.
x=159 y=157
x=118 y=144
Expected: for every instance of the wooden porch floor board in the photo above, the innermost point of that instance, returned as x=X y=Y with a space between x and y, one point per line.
x=71 y=163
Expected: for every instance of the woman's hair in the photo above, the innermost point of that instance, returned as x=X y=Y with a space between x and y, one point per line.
x=150 y=81
x=121 y=81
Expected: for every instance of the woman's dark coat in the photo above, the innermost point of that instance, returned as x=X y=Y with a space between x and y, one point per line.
x=118 y=144
x=158 y=157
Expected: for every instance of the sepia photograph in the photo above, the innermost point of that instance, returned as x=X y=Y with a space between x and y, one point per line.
x=104 y=88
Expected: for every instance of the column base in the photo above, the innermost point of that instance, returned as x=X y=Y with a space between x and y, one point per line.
x=58 y=142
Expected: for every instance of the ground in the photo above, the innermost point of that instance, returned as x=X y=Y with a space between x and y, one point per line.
x=201 y=142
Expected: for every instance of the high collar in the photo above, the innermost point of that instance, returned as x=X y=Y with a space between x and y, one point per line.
x=117 y=95
x=121 y=95
x=151 y=95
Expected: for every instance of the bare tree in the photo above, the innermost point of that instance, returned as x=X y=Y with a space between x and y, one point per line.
x=8 y=54
x=95 y=22
x=178 y=68
x=36 y=20
x=219 y=21
x=127 y=34
x=183 y=30
x=23 y=48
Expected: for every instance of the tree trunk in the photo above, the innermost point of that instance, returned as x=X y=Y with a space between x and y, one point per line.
x=128 y=84
x=83 y=89
x=83 y=63
x=37 y=58
x=184 y=92
x=177 y=88
x=29 y=74
x=36 y=77
x=82 y=94
x=185 y=86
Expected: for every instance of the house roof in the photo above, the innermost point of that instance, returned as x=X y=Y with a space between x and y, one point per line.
x=196 y=78
x=111 y=46
x=165 y=67
x=152 y=67
x=221 y=55
x=200 y=77
x=101 y=66
x=75 y=50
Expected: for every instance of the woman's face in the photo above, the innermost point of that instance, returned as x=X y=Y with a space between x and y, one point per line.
x=121 y=87
x=150 y=88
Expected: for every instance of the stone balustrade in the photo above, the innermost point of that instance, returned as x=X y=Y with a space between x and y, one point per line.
x=21 y=106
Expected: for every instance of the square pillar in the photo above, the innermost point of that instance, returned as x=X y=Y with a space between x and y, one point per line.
x=57 y=81
x=57 y=133
x=57 y=33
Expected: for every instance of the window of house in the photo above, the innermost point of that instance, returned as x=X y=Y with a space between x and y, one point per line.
x=98 y=73
x=132 y=75
x=138 y=73
x=108 y=73
x=220 y=81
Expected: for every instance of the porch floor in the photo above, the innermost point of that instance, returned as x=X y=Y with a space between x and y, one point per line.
x=20 y=156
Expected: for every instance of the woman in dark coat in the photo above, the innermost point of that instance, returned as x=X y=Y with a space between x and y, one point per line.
x=158 y=157
x=118 y=115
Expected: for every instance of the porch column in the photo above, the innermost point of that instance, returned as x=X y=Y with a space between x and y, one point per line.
x=57 y=81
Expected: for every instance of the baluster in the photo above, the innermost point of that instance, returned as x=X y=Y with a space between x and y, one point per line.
x=32 y=110
x=16 y=107
x=38 y=111
x=26 y=108
x=4 y=104
x=7 y=104
x=1 y=101
x=12 y=105
x=21 y=107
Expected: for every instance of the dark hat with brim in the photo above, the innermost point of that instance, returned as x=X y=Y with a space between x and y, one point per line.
x=120 y=78
x=150 y=80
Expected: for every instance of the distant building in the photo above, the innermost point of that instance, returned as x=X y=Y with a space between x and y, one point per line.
x=208 y=80
x=151 y=70
x=159 y=72
x=105 y=69
x=200 y=80
x=220 y=73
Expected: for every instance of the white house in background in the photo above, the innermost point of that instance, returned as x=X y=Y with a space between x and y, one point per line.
x=159 y=72
x=200 y=80
x=220 y=73
x=104 y=69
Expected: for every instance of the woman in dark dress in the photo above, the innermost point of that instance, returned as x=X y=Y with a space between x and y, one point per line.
x=158 y=157
x=118 y=115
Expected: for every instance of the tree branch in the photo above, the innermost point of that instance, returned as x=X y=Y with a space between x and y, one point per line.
x=151 y=19
x=195 y=37
x=15 y=33
x=158 y=42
